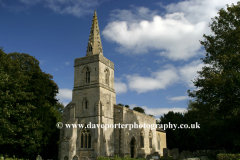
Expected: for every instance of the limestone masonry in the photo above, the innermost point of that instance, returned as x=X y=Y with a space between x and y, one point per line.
x=94 y=100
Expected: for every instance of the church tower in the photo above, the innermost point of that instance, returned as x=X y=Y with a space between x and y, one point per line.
x=93 y=99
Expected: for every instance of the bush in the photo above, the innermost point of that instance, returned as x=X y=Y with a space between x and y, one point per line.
x=228 y=156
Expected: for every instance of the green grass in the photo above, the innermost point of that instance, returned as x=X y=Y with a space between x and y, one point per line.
x=14 y=158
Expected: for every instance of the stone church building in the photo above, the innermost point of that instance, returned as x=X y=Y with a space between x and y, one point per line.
x=94 y=100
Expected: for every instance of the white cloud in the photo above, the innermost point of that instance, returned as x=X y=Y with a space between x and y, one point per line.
x=157 y=112
x=64 y=96
x=198 y=10
x=120 y=87
x=158 y=80
x=175 y=35
x=166 y=77
x=179 y=98
x=189 y=72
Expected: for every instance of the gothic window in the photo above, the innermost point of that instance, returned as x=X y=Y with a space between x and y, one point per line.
x=81 y=140
x=85 y=103
x=142 y=139
x=66 y=158
x=150 y=139
x=87 y=75
x=86 y=138
x=107 y=76
x=75 y=158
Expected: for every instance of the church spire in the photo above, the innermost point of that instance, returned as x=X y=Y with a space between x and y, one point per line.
x=94 y=42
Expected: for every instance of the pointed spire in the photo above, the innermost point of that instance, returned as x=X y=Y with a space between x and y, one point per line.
x=94 y=42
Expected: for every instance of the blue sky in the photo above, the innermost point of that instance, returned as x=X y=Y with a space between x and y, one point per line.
x=154 y=45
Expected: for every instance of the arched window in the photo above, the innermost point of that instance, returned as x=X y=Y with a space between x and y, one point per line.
x=85 y=103
x=75 y=158
x=150 y=139
x=66 y=158
x=87 y=75
x=142 y=139
x=107 y=76
x=86 y=138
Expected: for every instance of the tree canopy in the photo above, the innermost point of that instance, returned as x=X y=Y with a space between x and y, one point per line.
x=28 y=106
x=219 y=81
x=139 y=109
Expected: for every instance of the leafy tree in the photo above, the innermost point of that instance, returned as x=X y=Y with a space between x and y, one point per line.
x=139 y=109
x=175 y=138
x=219 y=81
x=120 y=104
x=27 y=106
x=127 y=106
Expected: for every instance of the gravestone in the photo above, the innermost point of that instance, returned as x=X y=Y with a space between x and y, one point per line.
x=183 y=154
x=154 y=156
x=189 y=154
x=148 y=157
x=38 y=157
x=195 y=154
x=166 y=152
x=174 y=153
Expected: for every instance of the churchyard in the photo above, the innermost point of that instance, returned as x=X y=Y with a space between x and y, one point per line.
x=169 y=155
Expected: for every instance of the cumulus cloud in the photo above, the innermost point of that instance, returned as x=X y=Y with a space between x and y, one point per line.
x=174 y=35
x=198 y=10
x=166 y=77
x=189 y=72
x=120 y=87
x=64 y=96
x=157 y=112
x=158 y=80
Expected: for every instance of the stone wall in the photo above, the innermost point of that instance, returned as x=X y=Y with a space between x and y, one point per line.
x=124 y=136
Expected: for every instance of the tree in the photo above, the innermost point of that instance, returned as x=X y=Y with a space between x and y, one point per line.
x=139 y=109
x=27 y=105
x=127 y=106
x=175 y=138
x=120 y=104
x=219 y=81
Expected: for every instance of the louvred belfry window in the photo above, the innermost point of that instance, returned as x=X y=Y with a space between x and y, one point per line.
x=87 y=75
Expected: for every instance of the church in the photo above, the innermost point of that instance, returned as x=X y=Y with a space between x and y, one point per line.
x=94 y=102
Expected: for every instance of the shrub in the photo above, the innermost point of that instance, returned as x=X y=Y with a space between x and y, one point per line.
x=228 y=156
